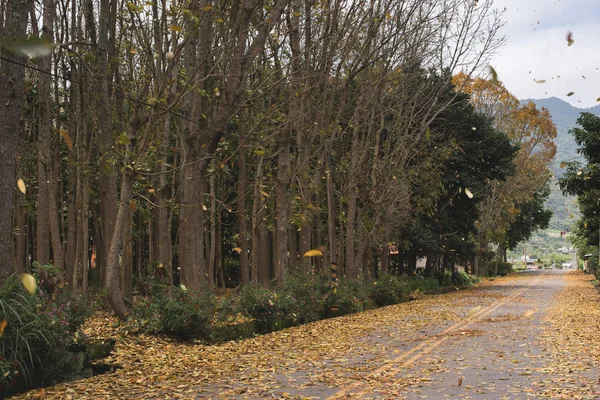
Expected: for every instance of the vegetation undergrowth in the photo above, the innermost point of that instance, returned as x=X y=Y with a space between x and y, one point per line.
x=257 y=309
x=38 y=329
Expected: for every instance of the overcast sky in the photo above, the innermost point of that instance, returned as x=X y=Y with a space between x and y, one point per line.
x=536 y=41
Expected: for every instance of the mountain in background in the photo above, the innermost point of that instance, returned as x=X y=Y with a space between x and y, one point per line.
x=551 y=241
x=565 y=117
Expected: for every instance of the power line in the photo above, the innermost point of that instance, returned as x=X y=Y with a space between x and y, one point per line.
x=54 y=75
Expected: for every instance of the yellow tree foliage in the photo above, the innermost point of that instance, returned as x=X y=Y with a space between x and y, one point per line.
x=528 y=127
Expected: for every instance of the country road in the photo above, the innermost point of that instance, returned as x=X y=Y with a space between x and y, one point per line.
x=528 y=335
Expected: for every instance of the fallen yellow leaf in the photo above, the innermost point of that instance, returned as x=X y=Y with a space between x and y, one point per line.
x=313 y=253
x=29 y=282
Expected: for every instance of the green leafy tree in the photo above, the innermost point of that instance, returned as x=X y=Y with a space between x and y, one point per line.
x=531 y=216
x=583 y=179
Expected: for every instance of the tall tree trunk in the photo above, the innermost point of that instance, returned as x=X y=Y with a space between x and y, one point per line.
x=430 y=265
x=352 y=269
x=127 y=259
x=83 y=237
x=114 y=291
x=282 y=205
x=293 y=246
x=42 y=238
x=385 y=258
x=12 y=100
x=161 y=233
x=20 y=218
x=212 y=257
x=241 y=214
x=191 y=225
x=265 y=267
x=331 y=237
x=350 y=266
x=411 y=263
x=107 y=187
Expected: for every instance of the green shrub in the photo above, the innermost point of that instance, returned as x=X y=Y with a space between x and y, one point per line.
x=388 y=289
x=423 y=285
x=38 y=330
x=175 y=311
x=188 y=315
x=302 y=297
x=348 y=297
x=262 y=305
x=504 y=268
x=462 y=279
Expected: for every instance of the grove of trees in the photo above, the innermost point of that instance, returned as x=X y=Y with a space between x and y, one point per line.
x=216 y=143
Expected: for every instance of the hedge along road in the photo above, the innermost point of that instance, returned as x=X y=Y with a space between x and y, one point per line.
x=528 y=335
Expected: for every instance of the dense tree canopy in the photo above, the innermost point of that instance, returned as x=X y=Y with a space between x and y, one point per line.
x=212 y=144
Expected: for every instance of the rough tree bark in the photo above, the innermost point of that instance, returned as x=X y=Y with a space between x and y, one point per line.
x=12 y=99
x=241 y=214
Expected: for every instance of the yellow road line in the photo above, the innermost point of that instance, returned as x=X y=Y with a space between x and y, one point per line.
x=396 y=364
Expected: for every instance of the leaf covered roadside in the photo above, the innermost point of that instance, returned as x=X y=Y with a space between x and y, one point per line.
x=325 y=351
x=571 y=337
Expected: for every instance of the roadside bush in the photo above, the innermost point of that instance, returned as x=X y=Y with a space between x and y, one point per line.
x=262 y=305
x=388 y=289
x=187 y=315
x=174 y=311
x=348 y=297
x=462 y=279
x=423 y=285
x=504 y=268
x=302 y=297
x=36 y=332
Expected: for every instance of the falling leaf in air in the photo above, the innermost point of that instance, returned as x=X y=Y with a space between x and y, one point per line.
x=29 y=282
x=30 y=47
x=494 y=74
x=265 y=194
x=563 y=164
x=468 y=193
x=474 y=128
x=313 y=253
x=67 y=139
x=540 y=81
x=460 y=381
x=21 y=186
x=529 y=313
x=570 y=93
x=204 y=207
x=570 y=40
x=3 y=326
x=151 y=190
x=579 y=173
x=132 y=205
x=237 y=249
